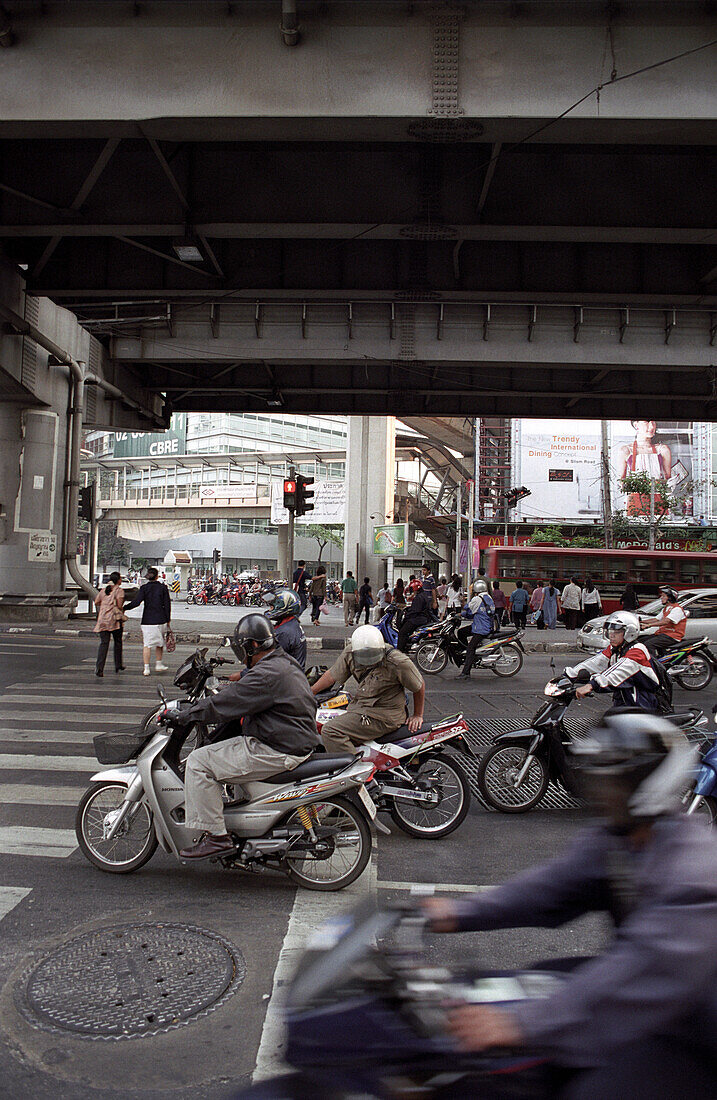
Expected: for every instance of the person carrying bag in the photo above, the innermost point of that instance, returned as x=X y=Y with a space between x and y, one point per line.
x=110 y=623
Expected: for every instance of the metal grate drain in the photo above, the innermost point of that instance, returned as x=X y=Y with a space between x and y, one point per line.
x=482 y=734
x=130 y=981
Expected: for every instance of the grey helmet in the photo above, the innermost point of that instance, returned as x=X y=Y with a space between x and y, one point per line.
x=479 y=587
x=625 y=621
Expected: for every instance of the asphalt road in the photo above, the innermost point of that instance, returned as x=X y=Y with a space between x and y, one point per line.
x=51 y=705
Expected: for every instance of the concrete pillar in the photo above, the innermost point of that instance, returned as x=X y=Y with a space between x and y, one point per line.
x=283 y=564
x=370 y=472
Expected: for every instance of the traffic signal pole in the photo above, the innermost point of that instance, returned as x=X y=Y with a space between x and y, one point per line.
x=292 y=520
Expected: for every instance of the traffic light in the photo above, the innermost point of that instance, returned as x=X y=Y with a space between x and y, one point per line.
x=216 y=556
x=86 y=502
x=512 y=496
x=304 y=499
x=290 y=493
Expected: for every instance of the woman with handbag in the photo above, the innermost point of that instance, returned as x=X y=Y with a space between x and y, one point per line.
x=110 y=623
x=317 y=592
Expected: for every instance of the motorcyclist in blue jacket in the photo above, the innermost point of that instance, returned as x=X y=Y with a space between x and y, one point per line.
x=284 y=614
x=481 y=610
x=640 y=1020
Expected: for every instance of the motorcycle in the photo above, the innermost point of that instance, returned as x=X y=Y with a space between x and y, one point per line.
x=366 y=1014
x=702 y=796
x=439 y=643
x=390 y=633
x=514 y=774
x=690 y=662
x=311 y=823
x=426 y=792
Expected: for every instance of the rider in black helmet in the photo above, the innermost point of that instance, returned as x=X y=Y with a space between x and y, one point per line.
x=631 y=1022
x=278 y=731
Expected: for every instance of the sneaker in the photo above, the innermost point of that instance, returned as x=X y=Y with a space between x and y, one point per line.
x=161 y=668
x=146 y=671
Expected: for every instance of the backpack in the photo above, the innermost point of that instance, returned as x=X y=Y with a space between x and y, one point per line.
x=664 y=688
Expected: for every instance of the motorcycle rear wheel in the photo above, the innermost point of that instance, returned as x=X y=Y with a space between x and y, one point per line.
x=433 y=822
x=351 y=833
x=496 y=779
x=189 y=601
x=129 y=850
x=510 y=661
x=699 y=676
x=431 y=658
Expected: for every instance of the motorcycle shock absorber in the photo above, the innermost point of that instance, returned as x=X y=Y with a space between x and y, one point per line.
x=304 y=816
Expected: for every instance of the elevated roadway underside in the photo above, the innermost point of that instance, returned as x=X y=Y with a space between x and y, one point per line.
x=420 y=209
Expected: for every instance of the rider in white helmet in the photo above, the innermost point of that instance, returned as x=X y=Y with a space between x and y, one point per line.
x=383 y=675
x=624 y=668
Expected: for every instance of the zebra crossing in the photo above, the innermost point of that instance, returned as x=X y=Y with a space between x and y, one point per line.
x=46 y=758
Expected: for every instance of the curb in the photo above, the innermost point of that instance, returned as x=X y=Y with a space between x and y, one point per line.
x=192 y=638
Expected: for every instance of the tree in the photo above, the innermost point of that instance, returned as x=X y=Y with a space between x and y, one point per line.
x=111 y=549
x=651 y=501
x=324 y=535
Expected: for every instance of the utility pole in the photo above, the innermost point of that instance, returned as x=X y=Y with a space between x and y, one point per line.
x=651 y=532
x=606 y=495
x=459 y=527
x=290 y=549
x=471 y=512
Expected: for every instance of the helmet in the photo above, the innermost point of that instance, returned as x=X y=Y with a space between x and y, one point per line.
x=286 y=603
x=367 y=646
x=479 y=587
x=669 y=592
x=635 y=765
x=253 y=634
x=625 y=621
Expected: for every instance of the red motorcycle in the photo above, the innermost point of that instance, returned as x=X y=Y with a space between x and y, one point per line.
x=425 y=790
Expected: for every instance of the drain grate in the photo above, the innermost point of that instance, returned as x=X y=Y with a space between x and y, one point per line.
x=130 y=981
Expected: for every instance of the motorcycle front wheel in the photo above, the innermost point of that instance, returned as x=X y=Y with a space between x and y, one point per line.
x=698 y=674
x=510 y=661
x=431 y=657
x=339 y=854
x=706 y=811
x=133 y=846
x=497 y=779
x=189 y=601
x=433 y=821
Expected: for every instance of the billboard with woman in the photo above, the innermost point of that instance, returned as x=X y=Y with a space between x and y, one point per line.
x=665 y=450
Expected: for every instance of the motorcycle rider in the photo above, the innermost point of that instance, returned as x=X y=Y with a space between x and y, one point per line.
x=633 y=1021
x=383 y=674
x=671 y=624
x=481 y=610
x=418 y=613
x=624 y=667
x=285 y=613
x=278 y=731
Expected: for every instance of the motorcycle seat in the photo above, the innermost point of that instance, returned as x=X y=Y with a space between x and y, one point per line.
x=323 y=763
x=508 y=632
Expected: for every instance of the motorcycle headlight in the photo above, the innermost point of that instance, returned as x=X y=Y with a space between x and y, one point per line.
x=552 y=689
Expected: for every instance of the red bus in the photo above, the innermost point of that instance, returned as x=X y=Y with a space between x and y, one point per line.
x=611 y=570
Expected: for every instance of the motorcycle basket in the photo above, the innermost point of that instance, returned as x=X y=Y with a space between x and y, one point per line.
x=118 y=748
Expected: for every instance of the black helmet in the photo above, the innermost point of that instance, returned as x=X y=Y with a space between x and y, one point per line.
x=252 y=634
x=634 y=765
x=669 y=592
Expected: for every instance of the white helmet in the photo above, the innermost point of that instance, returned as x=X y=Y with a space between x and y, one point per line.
x=367 y=646
x=479 y=587
x=625 y=621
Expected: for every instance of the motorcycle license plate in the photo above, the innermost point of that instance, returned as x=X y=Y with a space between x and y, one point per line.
x=368 y=802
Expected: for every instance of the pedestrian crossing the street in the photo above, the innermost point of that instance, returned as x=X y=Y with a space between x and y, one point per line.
x=46 y=756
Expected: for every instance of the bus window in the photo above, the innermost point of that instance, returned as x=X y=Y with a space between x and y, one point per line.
x=709 y=571
x=667 y=570
x=617 y=569
x=643 y=569
x=689 y=570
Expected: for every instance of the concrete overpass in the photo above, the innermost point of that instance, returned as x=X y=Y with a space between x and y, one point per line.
x=428 y=209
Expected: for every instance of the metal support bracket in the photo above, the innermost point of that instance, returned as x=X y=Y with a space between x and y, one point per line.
x=624 y=323
x=578 y=324
x=532 y=323
x=350 y=322
x=258 y=320
x=170 y=320
x=303 y=321
x=214 y=320
x=392 y=323
x=713 y=329
x=670 y=323
x=486 y=322
x=439 y=326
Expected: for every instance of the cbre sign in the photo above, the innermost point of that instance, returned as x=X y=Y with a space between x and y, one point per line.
x=153 y=444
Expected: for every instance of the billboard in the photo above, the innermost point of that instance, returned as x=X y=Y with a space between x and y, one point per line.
x=560 y=462
x=329 y=503
x=390 y=540
x=153 y=444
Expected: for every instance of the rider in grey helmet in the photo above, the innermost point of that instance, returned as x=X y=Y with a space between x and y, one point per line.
x=631 y=1022
x=624 y=668
x=285 y=613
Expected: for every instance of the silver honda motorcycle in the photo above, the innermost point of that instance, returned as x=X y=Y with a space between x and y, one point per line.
x=311 y=823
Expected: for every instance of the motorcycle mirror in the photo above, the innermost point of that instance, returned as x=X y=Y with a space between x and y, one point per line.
x=226 y=641
x=552 y=663
x=161 y=693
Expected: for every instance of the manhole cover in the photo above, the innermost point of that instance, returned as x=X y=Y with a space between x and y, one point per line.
x=130 y=980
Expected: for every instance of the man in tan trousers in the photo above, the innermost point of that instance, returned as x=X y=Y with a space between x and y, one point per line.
x=383 y=675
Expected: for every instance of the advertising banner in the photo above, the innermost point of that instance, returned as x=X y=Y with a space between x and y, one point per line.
x=329 y=503
x=153 y=444
x=560 y=462
x=390 y=540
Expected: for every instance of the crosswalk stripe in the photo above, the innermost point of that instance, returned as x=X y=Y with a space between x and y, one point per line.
x=30 y=794
x=29 y=762
x=21 y=701
x=45 y=736
x=10 y=896
x=17 y=840
x=13 y=646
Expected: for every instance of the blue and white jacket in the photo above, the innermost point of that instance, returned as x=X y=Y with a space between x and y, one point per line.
x=626 y=672
x=481 y=610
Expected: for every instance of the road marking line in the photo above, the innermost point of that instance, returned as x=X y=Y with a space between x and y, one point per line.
x=63 y=737
x=10 y=896
x=30 y=645
x=20 y=701
x=16 y=840
x=29 y=762
x=447 y=887
x=310 y=909
x=28 y=794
